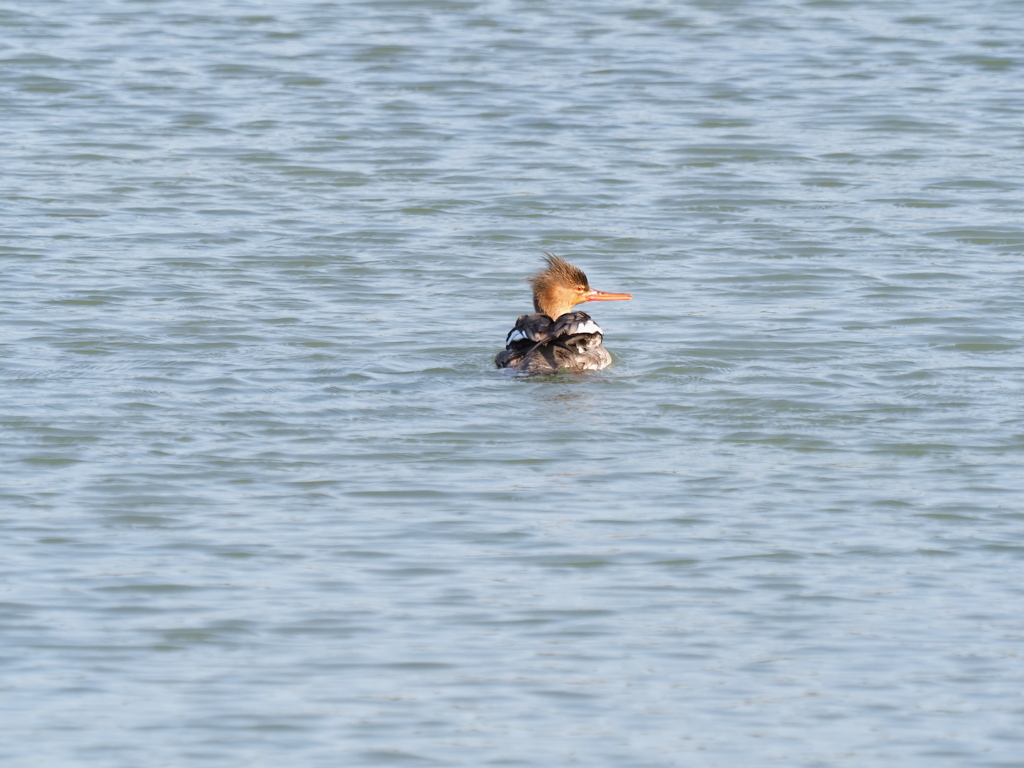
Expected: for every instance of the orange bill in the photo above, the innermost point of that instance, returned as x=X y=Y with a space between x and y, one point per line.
x=602 y=296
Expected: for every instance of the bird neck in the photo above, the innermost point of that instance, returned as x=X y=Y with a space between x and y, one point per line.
x=554 y=303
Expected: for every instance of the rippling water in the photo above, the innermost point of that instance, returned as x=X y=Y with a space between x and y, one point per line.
x=266 y=502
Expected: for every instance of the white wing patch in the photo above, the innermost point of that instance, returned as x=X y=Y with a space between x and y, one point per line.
x=588 y=327
x=515 y=335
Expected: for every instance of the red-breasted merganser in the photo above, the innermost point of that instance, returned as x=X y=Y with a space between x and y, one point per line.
x=556 y=338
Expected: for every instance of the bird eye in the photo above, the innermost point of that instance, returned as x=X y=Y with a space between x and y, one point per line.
x=581 y=288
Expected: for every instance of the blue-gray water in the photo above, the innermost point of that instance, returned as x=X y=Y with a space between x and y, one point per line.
x=265 y=502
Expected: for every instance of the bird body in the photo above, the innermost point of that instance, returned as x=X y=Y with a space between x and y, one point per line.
x=555 y=338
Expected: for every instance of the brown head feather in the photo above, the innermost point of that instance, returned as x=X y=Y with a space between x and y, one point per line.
x=558 y=279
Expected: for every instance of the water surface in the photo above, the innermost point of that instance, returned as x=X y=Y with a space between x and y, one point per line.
x=266 y=501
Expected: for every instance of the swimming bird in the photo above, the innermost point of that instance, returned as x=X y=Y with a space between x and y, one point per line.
x=555 y=338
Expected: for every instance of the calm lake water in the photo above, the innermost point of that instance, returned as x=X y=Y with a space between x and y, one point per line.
x=266 y=502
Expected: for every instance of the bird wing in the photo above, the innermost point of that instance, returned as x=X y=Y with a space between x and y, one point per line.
x=572 y=323
x=540 y=329
x=529 y=328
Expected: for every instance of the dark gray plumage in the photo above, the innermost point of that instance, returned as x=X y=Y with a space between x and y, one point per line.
x=538 y=344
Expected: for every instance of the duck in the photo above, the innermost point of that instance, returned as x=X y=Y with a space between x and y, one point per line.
x=555 y=338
